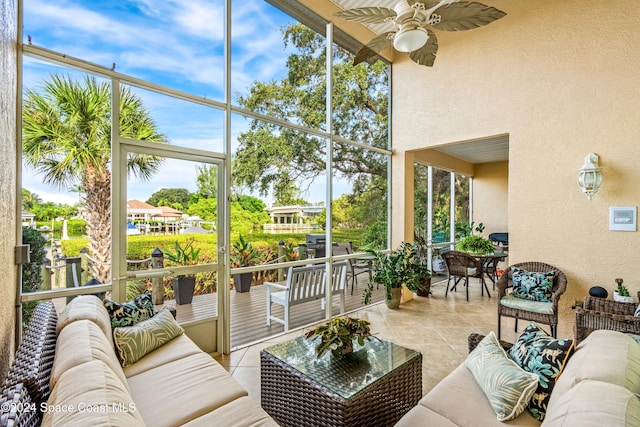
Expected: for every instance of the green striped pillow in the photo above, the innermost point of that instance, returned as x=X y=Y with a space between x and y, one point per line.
x=134 y=342
x=507 y=386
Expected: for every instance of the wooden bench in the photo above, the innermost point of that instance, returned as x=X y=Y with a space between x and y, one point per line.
x=304 y=284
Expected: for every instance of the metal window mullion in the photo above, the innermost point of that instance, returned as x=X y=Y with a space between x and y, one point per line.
x=452 y=206
x=118 y=197
x=329 y=168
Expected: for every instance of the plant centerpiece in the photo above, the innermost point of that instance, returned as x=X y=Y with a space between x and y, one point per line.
x=621 y=293
x=394 y=269
x=475 y=244
x=338 y=335
x=243 y=255
x=183 y=285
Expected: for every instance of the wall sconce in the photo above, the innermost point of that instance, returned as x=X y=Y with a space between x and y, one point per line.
x=590 y=176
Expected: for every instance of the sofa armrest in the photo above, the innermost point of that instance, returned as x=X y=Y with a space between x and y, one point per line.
x=474 y=339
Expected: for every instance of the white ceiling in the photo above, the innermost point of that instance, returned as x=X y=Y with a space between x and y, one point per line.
x=484 y=150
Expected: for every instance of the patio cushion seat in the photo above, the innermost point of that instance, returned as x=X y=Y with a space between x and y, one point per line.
x=527 y=305
x=243 y=408
x=197 y=384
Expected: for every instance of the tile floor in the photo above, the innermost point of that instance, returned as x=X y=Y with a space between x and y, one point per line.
x=436 y=326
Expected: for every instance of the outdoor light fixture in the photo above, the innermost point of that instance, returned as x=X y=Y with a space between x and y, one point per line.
x=590 y=176
x=410 y=38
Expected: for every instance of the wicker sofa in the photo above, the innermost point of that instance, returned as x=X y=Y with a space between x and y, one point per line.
x=598 y=387
x=173 y=385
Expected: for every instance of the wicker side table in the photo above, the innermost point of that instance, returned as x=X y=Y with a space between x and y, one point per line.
x=376 y=385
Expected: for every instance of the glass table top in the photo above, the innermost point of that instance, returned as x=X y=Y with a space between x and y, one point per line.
x=347 y=376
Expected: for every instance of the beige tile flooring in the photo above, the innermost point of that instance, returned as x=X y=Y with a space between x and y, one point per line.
x=436 y=326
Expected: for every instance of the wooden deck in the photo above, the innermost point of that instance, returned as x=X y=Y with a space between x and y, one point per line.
x=249 y=312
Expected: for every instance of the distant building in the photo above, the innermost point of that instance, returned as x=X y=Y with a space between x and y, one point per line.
x=294 y=218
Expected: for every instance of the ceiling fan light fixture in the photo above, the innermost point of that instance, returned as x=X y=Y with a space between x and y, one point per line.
x=410 y=38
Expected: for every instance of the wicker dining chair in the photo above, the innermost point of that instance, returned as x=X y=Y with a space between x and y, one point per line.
x=463 y=266
x=601 y=313
x=548 y=318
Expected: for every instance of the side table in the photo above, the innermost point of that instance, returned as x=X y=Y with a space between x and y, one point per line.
x=375 y=385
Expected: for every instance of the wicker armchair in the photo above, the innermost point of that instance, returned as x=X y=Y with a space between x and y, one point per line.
x=600 y=313
x=559 y=288
x=463 y=266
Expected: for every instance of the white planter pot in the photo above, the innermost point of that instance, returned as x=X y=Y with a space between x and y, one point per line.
x=618 y=298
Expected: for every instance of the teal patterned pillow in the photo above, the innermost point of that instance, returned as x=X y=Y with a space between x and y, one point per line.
x=131 y=312
x=134 y=342
x=533 y=286
x=545 y=356
x=507 y=386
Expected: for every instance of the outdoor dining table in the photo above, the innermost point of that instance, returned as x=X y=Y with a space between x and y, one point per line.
x=490 y=264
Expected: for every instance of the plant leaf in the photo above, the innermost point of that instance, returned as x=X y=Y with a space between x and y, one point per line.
x=373 y=48
x=367 y=15
x=464 y=16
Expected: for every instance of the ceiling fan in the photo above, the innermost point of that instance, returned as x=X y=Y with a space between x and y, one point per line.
x=411 y=18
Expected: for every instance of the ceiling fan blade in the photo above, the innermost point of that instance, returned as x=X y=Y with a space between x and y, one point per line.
x=426 y=55
x=464 y=16
x=428 y=4
x=374 y=47
x=367 y=15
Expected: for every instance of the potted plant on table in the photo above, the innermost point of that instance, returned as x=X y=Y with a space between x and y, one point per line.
x=183 y=285
x=244 y=255
x=338 y=335
x=474 y=244
x=392 y=270
x=621 y=294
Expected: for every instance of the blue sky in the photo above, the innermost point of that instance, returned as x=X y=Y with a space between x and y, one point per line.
x=173 y=43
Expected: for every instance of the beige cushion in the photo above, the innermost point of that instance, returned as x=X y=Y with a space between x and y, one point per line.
x=459 y=398
x=419 y=416
x=241 y=412
x=179 y=347
x=526 y=304
x=92 y=395
x=180 y=391
x=81 y=342
x=87 y=307
x=607 y=356
x=595 y=403
x=134 y=342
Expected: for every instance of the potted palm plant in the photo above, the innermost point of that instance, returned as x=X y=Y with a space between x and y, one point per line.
x=183 y=285
x=419 y=265
x=338 y=335
x=244 y=255
x=392 y=270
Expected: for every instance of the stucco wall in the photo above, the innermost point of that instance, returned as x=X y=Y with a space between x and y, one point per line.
x=490 y=196
x=8 y=179
x=561 y=78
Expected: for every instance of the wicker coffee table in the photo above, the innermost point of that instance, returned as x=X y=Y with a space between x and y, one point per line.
x=375 y=385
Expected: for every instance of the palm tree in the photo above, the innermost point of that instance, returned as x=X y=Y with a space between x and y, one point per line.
x=67 y=139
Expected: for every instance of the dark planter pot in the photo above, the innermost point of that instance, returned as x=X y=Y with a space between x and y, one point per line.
x=426 y=291
x=242 y=282
x=183 y=288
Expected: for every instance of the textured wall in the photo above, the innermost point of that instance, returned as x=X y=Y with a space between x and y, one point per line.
x=561 y=78
x=8 y=223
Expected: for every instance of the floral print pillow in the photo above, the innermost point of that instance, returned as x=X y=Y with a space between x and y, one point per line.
x=545 y=356
x=532 y=286
x=131 y=312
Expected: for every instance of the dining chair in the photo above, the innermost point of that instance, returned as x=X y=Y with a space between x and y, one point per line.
x=355 y=266
x=463 y=266
x=545 y=312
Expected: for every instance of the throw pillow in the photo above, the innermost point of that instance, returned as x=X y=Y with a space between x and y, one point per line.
x=533 y=286
x=637 y=312
x=536 y=352
x=134 y=342
x=131 y=312
x=507 y=386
